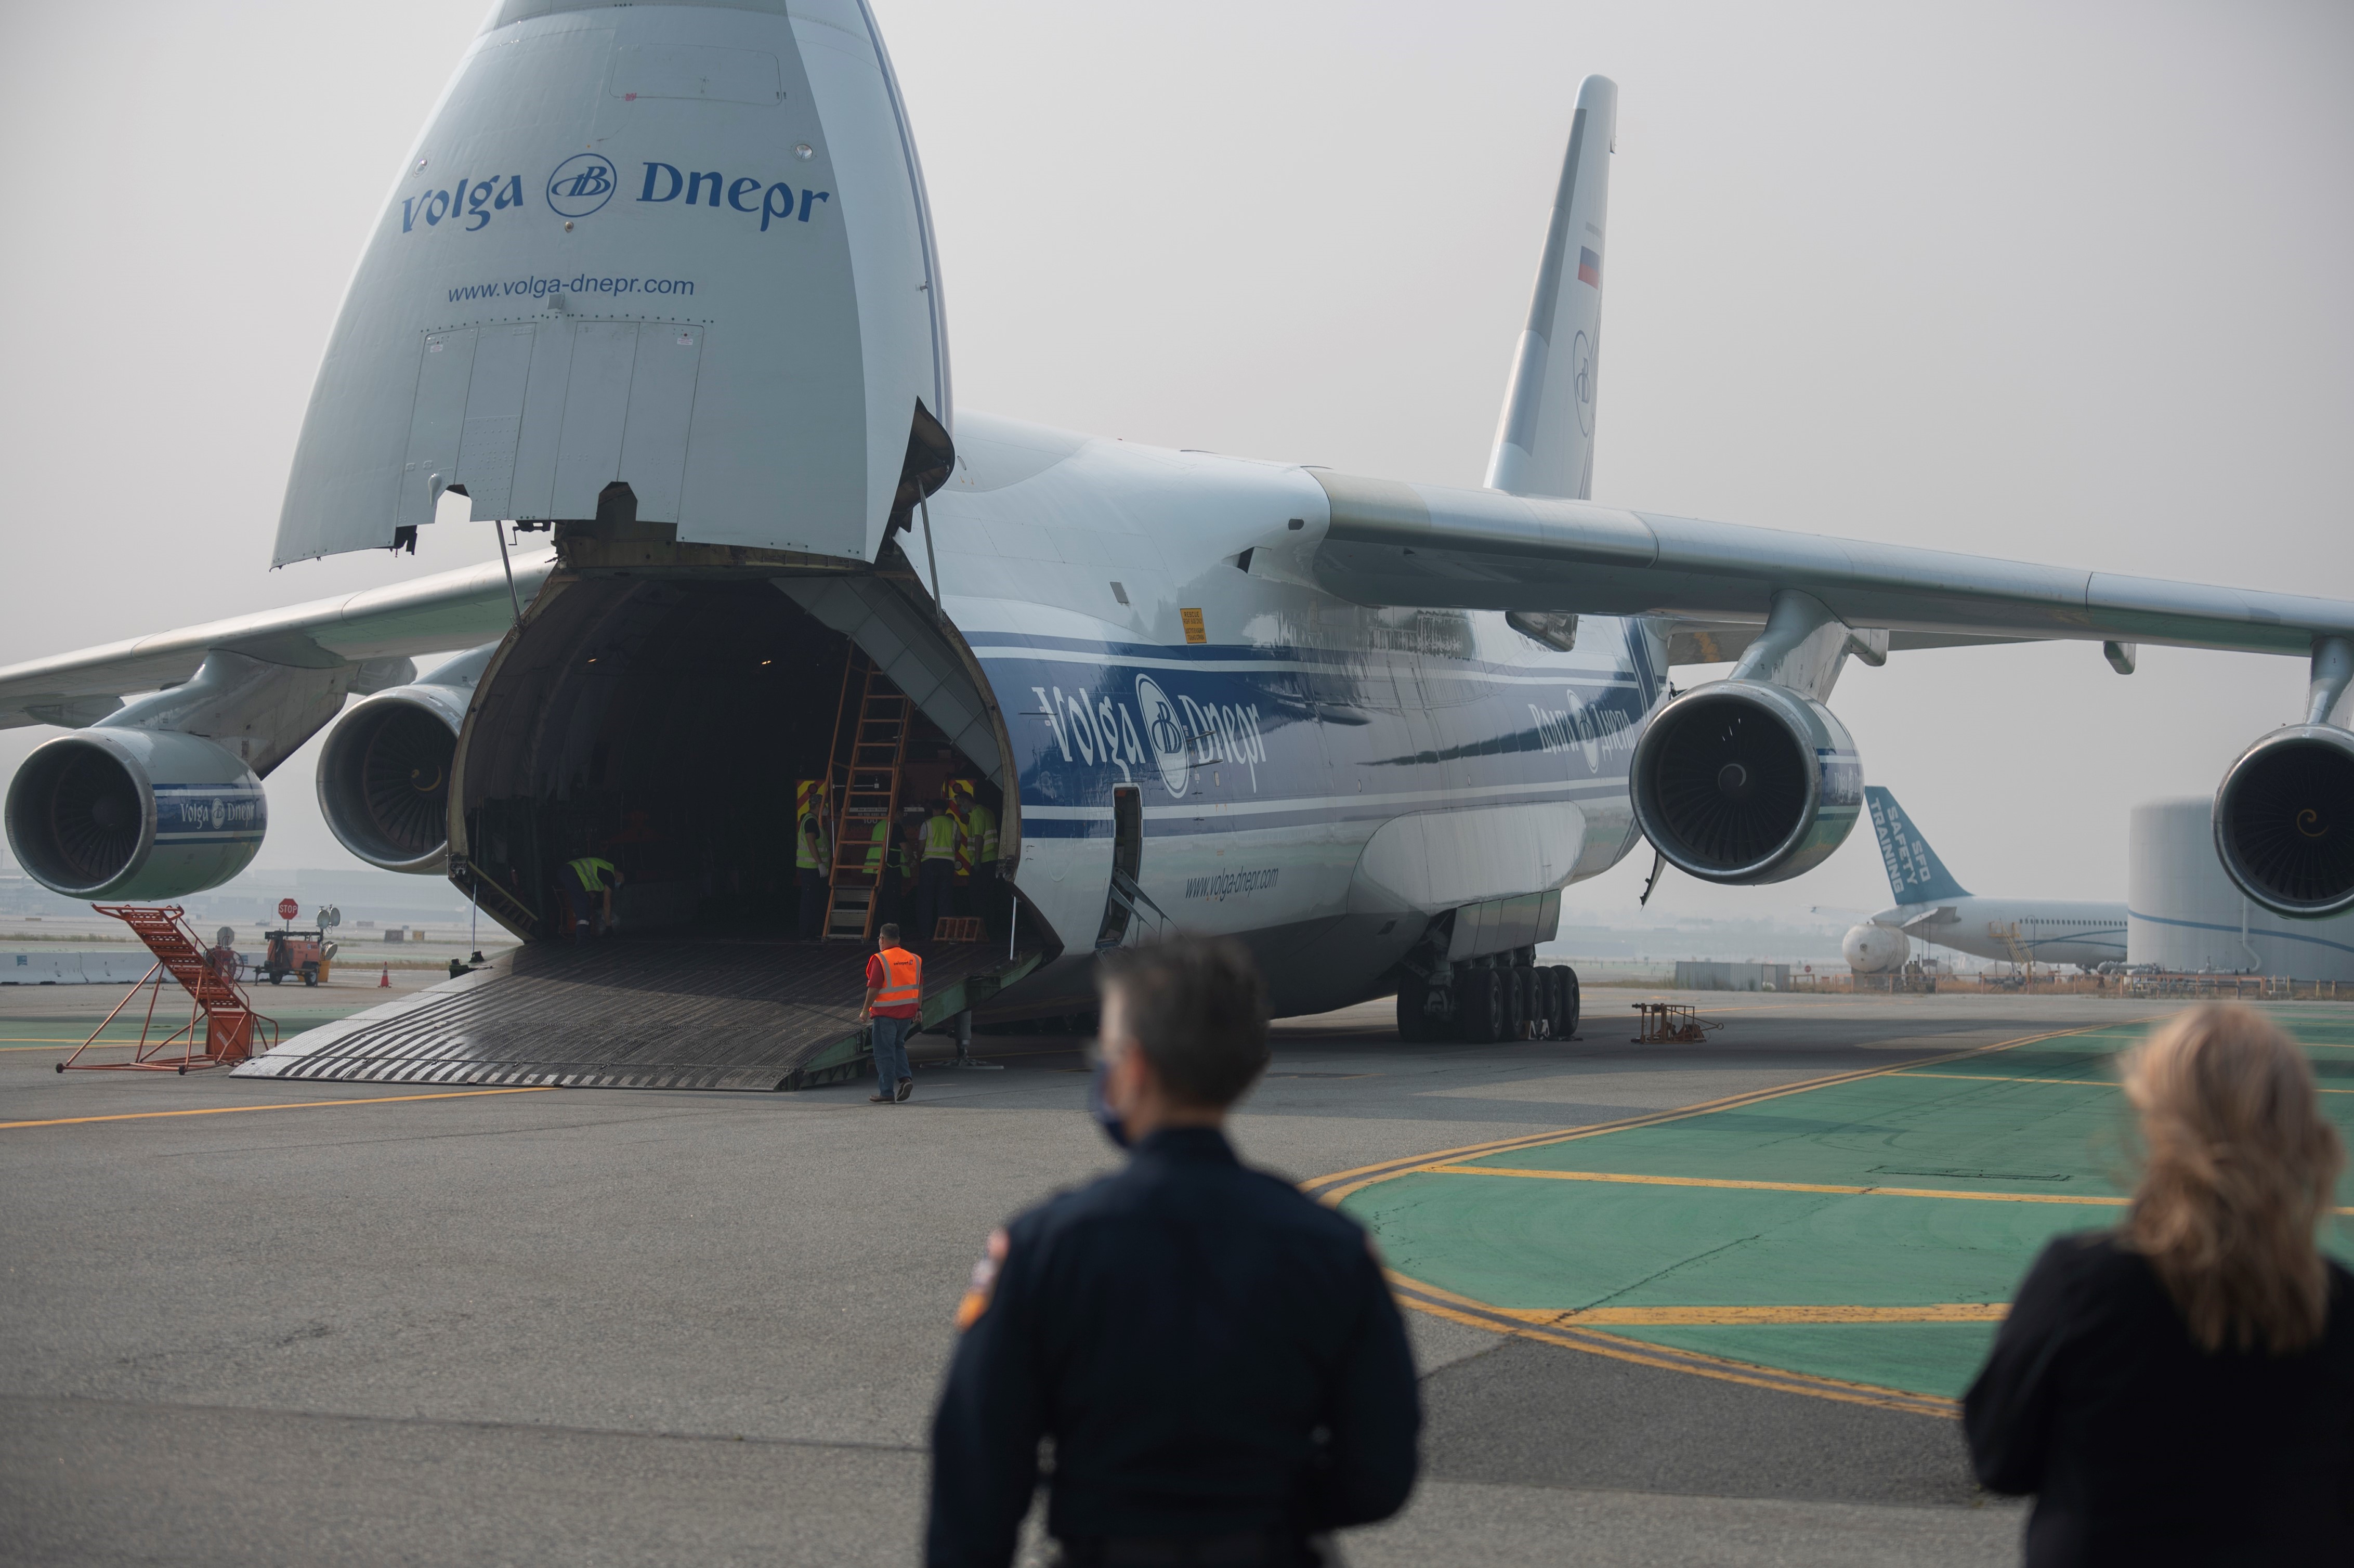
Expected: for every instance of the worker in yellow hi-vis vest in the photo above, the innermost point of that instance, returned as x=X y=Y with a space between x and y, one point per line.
x=968 y=846
x=936 y=876
x=813 y=854
x=883 y=857
x=986 y=897
x=589 y=883
x=910 y=849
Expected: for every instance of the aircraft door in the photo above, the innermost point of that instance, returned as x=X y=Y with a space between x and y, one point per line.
x=1128 y=913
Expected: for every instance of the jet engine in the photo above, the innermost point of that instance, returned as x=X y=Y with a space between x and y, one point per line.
x=384 y=772
x=1872 y=949
x=2285 y=820
x=1742 y=782
x=134 y=813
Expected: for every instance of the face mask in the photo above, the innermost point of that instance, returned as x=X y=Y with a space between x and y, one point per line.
x=1105 y=1118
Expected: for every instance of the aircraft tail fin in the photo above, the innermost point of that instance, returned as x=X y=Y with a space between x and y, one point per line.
x=1545 y=440
x=1915 y=874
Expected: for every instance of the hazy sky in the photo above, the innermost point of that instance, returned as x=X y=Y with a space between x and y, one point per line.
x=2065 y=282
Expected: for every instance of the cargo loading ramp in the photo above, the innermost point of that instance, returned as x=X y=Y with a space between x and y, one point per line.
x=638 y=1013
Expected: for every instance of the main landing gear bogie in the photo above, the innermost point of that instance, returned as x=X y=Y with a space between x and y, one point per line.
x=1482 y=1006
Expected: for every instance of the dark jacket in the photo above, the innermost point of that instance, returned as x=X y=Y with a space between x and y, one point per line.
x=2143 y=1449
x=1212 y=1352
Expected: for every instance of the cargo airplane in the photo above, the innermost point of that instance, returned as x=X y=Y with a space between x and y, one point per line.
x=659 y=283
x=1930 y=906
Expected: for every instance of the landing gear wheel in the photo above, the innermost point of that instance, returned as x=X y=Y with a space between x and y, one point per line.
x=1479 y=1002
x=1566 y=1006
x=1412 y=1021
x=1516 y=1003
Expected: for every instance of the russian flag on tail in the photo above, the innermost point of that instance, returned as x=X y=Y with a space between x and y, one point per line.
x=1589 y=267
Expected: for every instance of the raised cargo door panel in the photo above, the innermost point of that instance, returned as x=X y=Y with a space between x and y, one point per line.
x=596 y=411
x=596 y=191
x=494 y=398
x=445 y=366
x=533 y=422
x=661 y=404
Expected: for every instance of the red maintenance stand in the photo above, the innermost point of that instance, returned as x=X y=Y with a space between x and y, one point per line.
x=215 y=999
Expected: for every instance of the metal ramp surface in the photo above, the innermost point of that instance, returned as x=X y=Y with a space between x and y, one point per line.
x=636 y=1013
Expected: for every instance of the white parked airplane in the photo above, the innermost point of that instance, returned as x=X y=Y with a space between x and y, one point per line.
x=662 y=279
x=1930 y=906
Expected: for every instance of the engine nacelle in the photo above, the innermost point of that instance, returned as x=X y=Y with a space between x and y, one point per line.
x=1742 y=782
x=1872 y=949
x=135 y=814
x=2285 y=820
x=384 y=775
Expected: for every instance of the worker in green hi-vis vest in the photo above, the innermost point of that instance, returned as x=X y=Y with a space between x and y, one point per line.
x=589 y=883
x=936 y=876
x=884 y=857
x=911 y=862
x=813 y=854
x=977 y=861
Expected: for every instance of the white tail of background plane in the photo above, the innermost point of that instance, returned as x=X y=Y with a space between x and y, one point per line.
x=1544 y=442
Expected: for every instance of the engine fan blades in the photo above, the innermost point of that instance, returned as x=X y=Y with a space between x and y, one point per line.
x=2291 y=823
x=405 y=779
x=93 y=817
x=1732 y=784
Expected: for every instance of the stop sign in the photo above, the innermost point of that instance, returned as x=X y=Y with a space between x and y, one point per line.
x=288 y=909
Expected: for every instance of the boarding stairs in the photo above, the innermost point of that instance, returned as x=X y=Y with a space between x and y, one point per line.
x=231 y=1027
x=871 y=753
x=2015 y=946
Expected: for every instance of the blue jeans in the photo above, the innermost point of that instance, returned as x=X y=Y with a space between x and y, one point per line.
x=891 y=1052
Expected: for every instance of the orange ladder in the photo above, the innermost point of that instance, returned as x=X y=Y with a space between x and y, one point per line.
x=866 y=778
x=230 y=1022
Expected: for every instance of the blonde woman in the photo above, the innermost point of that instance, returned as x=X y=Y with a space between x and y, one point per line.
x=2181 y=1390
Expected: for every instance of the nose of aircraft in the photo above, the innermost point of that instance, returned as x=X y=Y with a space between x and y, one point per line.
x=666 y=262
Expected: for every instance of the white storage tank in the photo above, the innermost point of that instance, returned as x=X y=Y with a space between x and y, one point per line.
x=2183 y=916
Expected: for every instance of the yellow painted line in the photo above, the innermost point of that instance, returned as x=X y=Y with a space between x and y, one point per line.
x=1414 y=1293
x=1618 y=1177
x=1388 y=1171
x=2020 y=1078
x=288 y=1104
x=1667 y=1316
x=2080 y=1083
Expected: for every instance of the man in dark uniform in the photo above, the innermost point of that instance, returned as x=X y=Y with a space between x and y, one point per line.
x=1216 y=1357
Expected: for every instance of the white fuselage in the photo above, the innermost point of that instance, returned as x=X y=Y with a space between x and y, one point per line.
x=2045 y=931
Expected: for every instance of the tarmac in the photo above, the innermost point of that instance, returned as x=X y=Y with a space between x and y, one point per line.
x=261 y=1322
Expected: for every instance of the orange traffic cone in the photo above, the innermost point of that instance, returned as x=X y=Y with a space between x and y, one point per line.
x=385 y=979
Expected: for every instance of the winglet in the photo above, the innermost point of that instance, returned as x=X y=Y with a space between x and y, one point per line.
x=1915 y=874
x=1544 y=442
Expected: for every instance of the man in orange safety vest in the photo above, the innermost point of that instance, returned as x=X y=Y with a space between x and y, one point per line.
x=894 y=997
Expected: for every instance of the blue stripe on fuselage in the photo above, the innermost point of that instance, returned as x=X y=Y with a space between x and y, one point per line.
x=1226 y=738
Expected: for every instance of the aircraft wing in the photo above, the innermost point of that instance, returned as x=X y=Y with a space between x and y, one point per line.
x=1437 y=546
x=450 y=611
